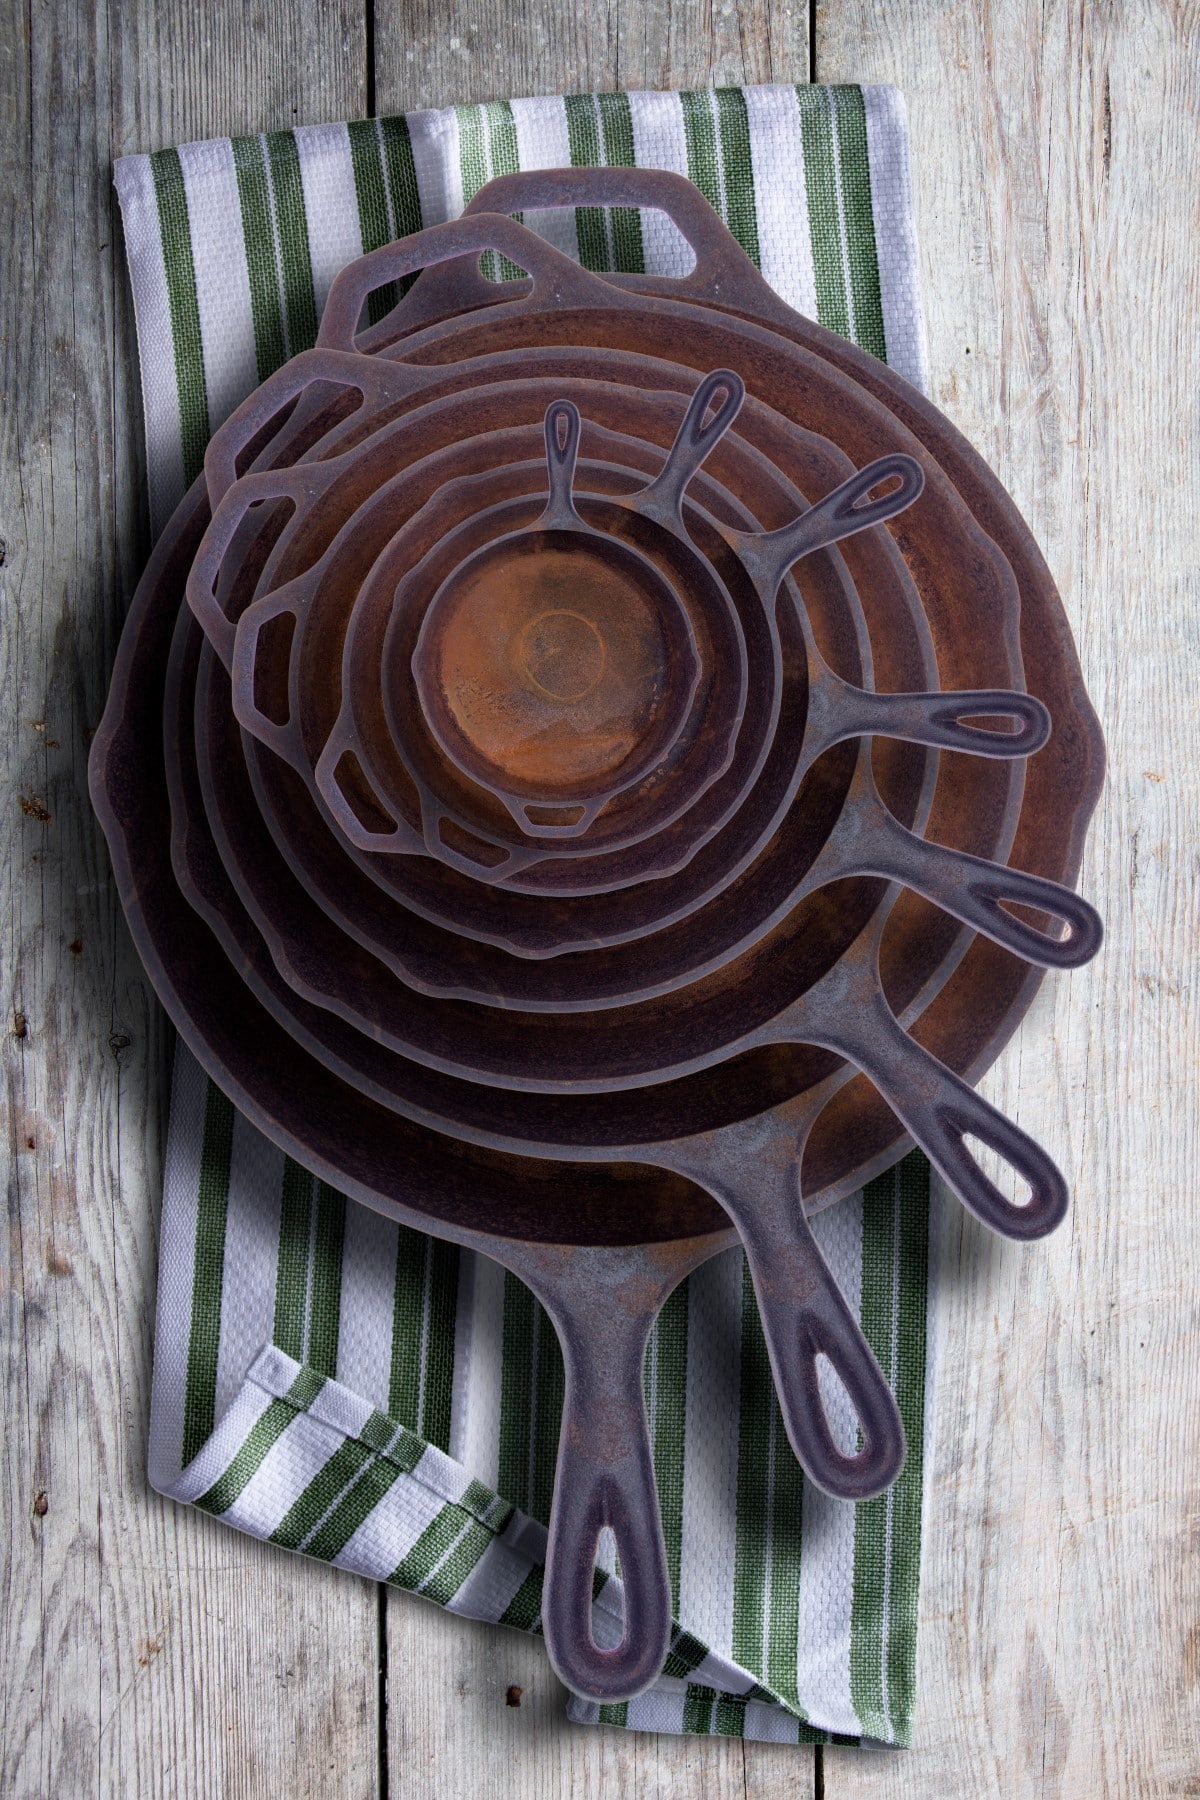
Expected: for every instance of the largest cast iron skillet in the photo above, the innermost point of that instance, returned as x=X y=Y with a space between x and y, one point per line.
x=129 y=796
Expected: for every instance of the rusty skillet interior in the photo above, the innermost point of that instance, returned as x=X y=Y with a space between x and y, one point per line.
x=968 y=802
x=822 y=581
x=554 y=668
x=488 y=667
x=701 y=750
x=365 y=670
x=556 y=664
x=599 y=922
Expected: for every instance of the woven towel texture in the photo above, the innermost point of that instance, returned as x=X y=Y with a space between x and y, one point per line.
x=377 y=1398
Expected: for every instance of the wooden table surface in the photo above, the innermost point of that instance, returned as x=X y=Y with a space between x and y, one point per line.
x=147 y=1649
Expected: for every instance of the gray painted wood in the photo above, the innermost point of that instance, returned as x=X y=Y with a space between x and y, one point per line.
x=148 y=1650
x=145 y=1650
x=473 y=1742
x=429 y=55
x=1057 y=154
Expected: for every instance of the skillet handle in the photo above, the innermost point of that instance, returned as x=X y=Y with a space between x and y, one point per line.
x=837 y=711
x=563 y=427
x=768 y=555
x=940 y=1111
x=973 y=890
x=752 y=1170
x=694 y=441
x=805 y=1315
x=603 y=1303
x=555 y=276
x=284 y=740
x=393 y=836
x=722 y=266
x=378 y=384
x=297 y=485
x=605 y=1476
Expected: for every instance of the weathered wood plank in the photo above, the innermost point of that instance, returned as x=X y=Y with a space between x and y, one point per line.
x=470 y=1741
x=1057 y=170
x=146 y=1650
x=453 y=1730
x=426 y=55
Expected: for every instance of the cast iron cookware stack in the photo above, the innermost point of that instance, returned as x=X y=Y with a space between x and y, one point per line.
x=570 y=774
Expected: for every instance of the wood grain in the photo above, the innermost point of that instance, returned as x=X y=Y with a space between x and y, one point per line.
x=145 y=1649
x=452 y=1731
x=472 y=1742
x=148 y=1650
x=428 y=55
x=1057 y=165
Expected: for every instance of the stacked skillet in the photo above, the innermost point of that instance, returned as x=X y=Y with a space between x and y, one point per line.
x=567 y=782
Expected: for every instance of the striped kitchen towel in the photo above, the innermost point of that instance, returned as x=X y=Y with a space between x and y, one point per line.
x=380 y=1399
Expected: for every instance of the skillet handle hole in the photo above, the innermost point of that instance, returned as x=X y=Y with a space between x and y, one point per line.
x=1004 y=1175
x=840 y=1413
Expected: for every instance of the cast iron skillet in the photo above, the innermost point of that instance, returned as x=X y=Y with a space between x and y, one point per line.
x=131 y=797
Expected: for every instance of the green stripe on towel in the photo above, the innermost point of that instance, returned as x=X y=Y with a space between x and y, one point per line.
x=187 y=341
x=431 y=1467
